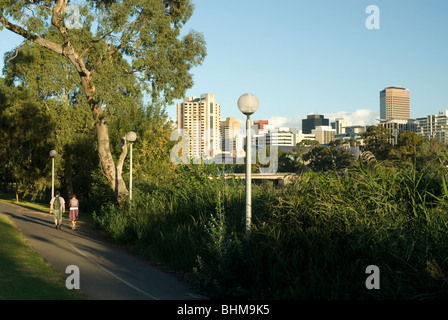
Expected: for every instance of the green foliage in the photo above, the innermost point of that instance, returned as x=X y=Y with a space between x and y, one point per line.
x=291 y=161
x=26 y=138
x=376 y=140
x=152 y=148
x=122 y=51
x=320 y=235
x=310 y=240
x=222 y=267
x=322 y=158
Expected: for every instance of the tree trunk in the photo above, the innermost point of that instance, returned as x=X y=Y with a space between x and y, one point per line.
x=113 y=172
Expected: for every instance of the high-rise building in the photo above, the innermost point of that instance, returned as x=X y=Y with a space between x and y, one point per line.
x=434 y=127
x=200 y=117
x=312 y=121
x=395 y=103
x=229 y=129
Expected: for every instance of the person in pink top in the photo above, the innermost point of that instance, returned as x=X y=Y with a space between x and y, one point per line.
x=74 y=210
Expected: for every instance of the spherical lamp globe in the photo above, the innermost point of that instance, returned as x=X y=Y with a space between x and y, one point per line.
x=131 y=136
x=248 y=103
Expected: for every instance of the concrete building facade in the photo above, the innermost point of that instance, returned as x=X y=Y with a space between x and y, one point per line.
x=324 y=134
x=230 y=129
x=433 y=126
x=200 y=117
x=395 y=103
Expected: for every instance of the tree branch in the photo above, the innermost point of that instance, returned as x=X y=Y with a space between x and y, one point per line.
x=17 y=51
x=58 y=15
x=55 y=47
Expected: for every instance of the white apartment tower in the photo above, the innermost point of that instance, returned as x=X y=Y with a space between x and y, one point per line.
x=433 y=126
x=200 y=117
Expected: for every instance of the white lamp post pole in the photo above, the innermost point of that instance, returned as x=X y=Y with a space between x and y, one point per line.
x=248 y=104
x=248 y=176
x=131 y=137
x=53 y=154
x=130 y=173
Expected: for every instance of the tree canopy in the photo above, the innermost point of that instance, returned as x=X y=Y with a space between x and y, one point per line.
x=111 y=52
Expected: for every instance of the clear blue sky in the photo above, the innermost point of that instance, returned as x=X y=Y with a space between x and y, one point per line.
x=317 y=56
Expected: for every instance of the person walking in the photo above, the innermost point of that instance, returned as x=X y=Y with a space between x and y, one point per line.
x=57 y=208
x=74 y=210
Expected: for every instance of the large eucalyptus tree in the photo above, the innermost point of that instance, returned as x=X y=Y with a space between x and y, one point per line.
x=108 y=41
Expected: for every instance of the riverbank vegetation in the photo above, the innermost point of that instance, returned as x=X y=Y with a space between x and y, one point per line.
x=311 y=239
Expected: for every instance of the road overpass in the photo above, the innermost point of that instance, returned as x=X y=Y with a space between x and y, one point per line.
x=282 y=178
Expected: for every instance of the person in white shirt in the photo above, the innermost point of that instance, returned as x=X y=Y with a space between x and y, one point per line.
x=57 y=208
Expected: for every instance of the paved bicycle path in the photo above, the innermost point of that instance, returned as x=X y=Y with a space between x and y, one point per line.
x=106 y=272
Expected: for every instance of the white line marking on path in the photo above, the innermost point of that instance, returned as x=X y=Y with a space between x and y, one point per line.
x=114 y=275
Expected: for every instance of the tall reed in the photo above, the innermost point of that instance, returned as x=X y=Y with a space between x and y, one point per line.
x=311 y=239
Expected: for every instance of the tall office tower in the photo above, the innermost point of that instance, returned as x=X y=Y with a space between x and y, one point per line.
x=229 y=129
x=201 y=119
x=395 y=103
x=312 y=121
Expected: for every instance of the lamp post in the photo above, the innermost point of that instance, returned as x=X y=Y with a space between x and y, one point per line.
x=130 y=137
x=53 y=154
x=248 y=104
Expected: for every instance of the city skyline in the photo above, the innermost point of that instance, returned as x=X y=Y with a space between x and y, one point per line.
x=315 y=57
x=321 y=49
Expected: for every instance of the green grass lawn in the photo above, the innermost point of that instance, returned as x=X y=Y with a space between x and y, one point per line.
x=11 y=198
x=24 y=275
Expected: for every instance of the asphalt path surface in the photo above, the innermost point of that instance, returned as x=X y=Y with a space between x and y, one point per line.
x=106 y=272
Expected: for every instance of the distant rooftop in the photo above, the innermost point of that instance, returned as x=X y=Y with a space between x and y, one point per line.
x=394 y=87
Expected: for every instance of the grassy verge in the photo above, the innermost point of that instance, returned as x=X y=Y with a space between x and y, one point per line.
x=11 y=198
x=24 y=275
